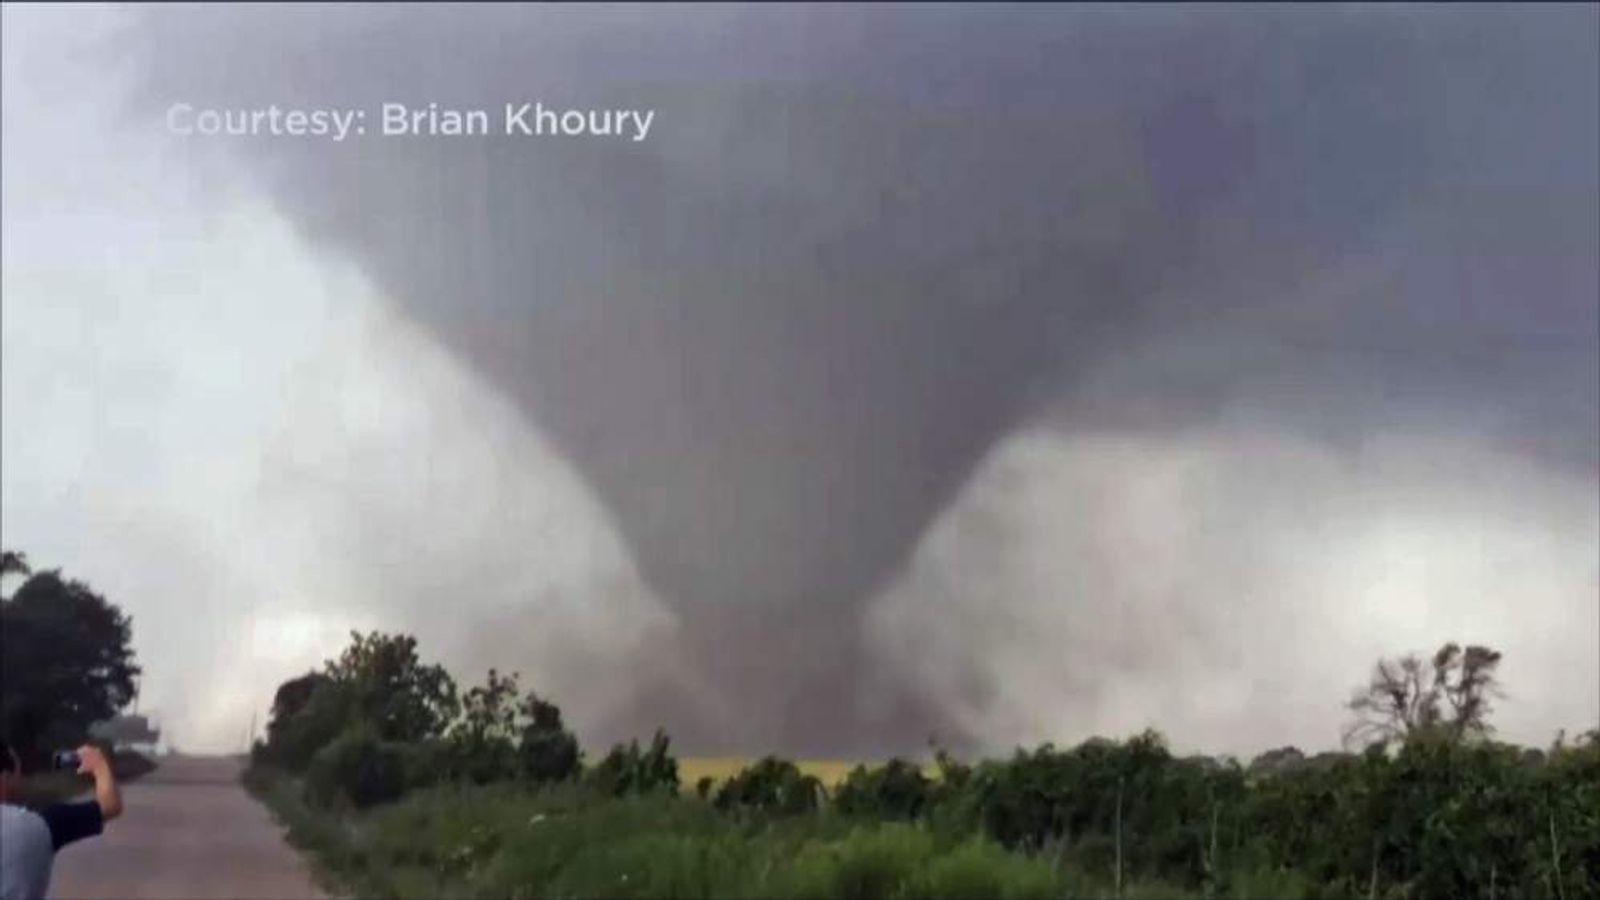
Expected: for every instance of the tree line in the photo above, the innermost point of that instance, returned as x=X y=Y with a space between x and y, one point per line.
x=1423 y=802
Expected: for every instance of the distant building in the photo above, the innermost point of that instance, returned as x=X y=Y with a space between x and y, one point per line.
x=130 y=732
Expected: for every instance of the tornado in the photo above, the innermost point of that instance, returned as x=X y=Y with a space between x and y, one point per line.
x=858 y=248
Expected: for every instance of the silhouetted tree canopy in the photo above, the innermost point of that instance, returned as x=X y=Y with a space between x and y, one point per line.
x=66 y=660
x=1448 y=695
x=13 y=562
x=293 y=695
x=391 y=689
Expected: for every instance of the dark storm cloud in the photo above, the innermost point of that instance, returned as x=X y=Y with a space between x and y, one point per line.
x=861 y=246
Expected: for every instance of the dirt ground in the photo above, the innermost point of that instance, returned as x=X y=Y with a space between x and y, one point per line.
x=188 y=830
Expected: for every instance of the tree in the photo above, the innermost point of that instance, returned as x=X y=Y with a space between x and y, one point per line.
x=771 y=785
x=65 y=660
x=629 y=770
x=293 y=695
x=378 y=683
x=358 y=769
x=307 y=713
x=482 y=742
x=895 y=790
x=499 y=736
x=1277 y=761
x=1449 y=696
x=548 y=751
x=392 y=690
x=13 y=563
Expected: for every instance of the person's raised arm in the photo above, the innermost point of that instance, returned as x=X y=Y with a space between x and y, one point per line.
x=93 y=762
x=72 y=822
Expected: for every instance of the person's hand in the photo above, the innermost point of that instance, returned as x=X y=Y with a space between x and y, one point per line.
x=92 y=761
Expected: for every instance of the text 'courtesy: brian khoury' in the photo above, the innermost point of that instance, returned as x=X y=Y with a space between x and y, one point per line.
x=393 y=119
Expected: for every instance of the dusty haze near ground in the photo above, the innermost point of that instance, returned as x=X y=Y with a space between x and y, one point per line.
x=1006 y=374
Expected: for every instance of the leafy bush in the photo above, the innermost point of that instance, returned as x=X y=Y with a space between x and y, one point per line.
x=298 y=729
x=869 y=863
x=500 y=737
x=547 y=751
x=979 y=868
x=392 y=690
x=424 y=764
x=481 y=743
x=771 y=785
x=653 y=864
x=1096 y=788
x=895 y=790
x=627 y=770
x=356 y=769
x=378 y=682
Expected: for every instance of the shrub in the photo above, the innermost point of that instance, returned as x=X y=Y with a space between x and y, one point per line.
x=979 y=868
x=356 y=769
x=895 y=790
x=770 y=785
x=627 y=770
x=876 y=862
x=653 y=865
x=424 y=764
x=298 y=730
x=902 y=860
x=499 y=737
x=869 y=862
x=392 y=690
x=480 y=743
x=378 y=681
x=547 y=751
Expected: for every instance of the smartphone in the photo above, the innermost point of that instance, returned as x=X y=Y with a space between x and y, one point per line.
x=66 y=759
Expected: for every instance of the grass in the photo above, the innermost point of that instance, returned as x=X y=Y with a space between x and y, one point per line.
x=519 y=841
x=564 y=841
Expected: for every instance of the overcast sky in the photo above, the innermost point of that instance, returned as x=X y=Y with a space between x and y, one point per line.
x=1012 y=374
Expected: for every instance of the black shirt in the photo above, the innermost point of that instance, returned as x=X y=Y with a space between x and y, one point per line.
x=72 y=822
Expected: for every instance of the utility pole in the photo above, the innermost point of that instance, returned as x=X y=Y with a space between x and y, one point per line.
x=1119 y=837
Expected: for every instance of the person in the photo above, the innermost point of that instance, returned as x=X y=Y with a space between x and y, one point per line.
x=29 y=840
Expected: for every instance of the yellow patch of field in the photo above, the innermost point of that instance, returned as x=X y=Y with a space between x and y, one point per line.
x=720 y=768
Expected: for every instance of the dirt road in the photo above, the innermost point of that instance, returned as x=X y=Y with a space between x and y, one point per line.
x=189 y=830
